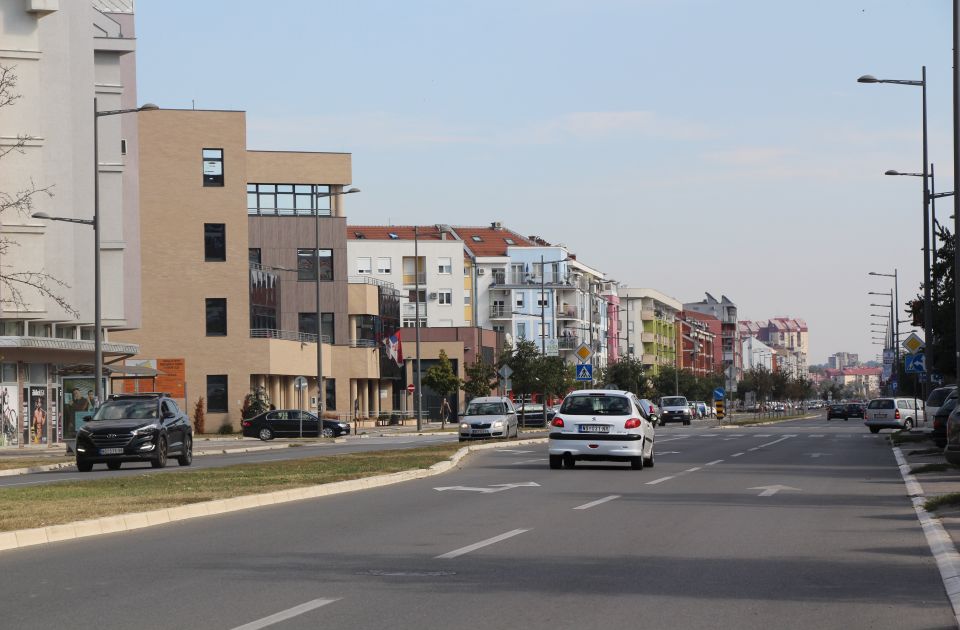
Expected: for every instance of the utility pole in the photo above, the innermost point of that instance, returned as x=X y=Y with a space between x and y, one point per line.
x=418 y=390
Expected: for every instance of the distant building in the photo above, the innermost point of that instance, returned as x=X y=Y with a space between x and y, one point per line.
x=726 y=311
x=782 y=333
x=651 y=327
x=842 y=360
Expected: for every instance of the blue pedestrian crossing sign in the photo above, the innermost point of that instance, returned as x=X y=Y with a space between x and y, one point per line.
x=718 y=393
x=915 y=364
x=585 y=372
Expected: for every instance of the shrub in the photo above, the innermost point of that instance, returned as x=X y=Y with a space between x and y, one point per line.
x=225 y=429
x=199 y=417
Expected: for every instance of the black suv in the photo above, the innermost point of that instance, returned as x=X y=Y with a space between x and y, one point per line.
x=135 y=428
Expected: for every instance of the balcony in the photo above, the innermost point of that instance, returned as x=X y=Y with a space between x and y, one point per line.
x=410 y=309
x=569 y=312
x=568 y=343
x=527 y=279
x=499 y=311
x=647 y=337
x=288 y=335
x=412 y=279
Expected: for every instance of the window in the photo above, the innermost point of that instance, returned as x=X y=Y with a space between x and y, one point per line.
x=213 y=167
x=308 y=325
x=384 y=265
x=66 y=332
x=497 y=328
x=509 y=241
x=542 y=300
x=445 y=296
x=214 y=242
x=40 y=330
x=288 y=199
x=123 y=146
x=519 y=299
x=476 y=239
x=412 y=295
x=466 y=296
x=306 y=263
x=331 y=386
x=254 y=255
x=545 y=330
x=444 y=266
x=8 y=372
x=364 y=266
x=521 y=330
x=11 y=329
x=217 y=393
x=216 y=317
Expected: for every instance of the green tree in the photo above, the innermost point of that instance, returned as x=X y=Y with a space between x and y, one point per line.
x=627 y=373
x=481 y=378
x=555 y=376
x=255 y=403
x=441 y=379
x=524 y=361
x=943 y=327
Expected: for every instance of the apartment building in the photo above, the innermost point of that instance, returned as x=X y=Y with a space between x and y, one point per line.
x=724 y=310
x=235 y=242
x=757 y=354
x=784 y=333
x=64 y=55
x=651 y=327
x=842 y=360
x=699 y=341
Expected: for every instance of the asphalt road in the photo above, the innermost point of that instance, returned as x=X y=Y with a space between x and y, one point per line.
x=801 y=525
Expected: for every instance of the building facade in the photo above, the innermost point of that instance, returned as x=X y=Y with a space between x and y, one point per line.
x=726 y=311
x=650 y=327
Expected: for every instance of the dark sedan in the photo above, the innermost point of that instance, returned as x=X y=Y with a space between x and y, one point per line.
x=939 y=433
x=836 y=411
x=291 y=423
x=855 y=410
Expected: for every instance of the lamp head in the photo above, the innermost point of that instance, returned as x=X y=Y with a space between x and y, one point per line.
x=40 y=215
x=148 y=107
x=351 y=191
x=892 y=172
x=868 y=78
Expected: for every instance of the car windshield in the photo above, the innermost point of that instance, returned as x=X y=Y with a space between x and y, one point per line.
x=485 y=409
x=127 y=410
x=596 y=406
x=939 y=395
x=883 y=403
x=676 y=401
x=947 y=406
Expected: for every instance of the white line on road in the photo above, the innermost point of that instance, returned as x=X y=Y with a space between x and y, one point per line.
x=763 y=435
x=736 y=455
x=692 y=469
x=776 y=441
x=481 y=544
x=755 y=448
x=587 y=506
x=714 y=462
x=660 y=480
x=528 y=461
x=817 y=435
x=283 y=615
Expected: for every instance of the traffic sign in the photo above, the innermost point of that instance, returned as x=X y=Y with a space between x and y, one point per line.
x=300 y=382
x=718 y=393
x=721 y=411
x=553 y=348
x=913 y=343
x=915 y=364
x=410 y=388
x=585 y=372
x=583 y=353
x=505 y=372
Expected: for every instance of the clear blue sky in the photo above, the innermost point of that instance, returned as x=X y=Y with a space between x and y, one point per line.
x=685 y=145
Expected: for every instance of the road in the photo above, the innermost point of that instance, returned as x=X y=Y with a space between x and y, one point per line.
x=799 y=525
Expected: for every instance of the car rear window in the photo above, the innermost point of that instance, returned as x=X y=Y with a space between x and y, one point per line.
x=676 y=401
x=939 y=395
x=596 y=406
x=883 y=403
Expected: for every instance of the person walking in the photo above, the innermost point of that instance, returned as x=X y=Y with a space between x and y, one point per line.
x=444 y=411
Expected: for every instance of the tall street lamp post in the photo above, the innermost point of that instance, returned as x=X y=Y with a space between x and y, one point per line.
x=927 y=305
x=95 y=224
x=894 y=297
x=543 y=319
x=321 y=390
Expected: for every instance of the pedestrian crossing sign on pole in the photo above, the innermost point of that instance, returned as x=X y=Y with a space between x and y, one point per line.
x=585 y=372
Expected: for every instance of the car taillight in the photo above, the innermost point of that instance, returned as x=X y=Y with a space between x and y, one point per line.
x=557 y=422
x=896 y=415
x=246 y=423
x=632 y=423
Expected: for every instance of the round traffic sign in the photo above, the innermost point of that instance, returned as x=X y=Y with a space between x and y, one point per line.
x=410 y=388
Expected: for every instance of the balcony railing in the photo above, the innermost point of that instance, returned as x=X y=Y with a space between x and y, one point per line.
x=363 y=343
x=568 y=343
x=414 y=278
x=370 y=280
x=527 y=278
x=410 y=308
x=288 y=335
x=498 y=311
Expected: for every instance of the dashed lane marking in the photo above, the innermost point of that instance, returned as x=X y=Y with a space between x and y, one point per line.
x=283 y=615
x=660 y=480
x=736 y=455
x=692 y=469
x=479 y=545
x=713 y=463
x=587 y=506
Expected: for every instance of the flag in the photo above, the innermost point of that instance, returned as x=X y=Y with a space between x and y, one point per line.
x=394 y=348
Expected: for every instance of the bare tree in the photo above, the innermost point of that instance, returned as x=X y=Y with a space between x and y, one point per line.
x=13 y=284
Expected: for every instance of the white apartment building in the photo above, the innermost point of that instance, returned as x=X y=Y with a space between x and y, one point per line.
x=431 y=256
x=757 y=354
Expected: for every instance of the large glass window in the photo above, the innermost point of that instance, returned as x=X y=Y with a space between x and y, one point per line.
x=306 y=265
x=216 y=317
x=288 y=199
x=308 y=325
x=217 y=393
x=264 y=299
x=214 y=242
x=254 y=255
x=213 y=167
x=331 y=385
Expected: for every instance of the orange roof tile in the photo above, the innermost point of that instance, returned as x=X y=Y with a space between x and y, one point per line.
x=493 y=241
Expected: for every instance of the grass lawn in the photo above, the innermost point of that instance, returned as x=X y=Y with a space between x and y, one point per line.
x=23 y=461
x=56 y=503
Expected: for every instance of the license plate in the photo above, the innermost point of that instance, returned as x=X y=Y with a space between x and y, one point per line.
x=594 y=428
x=479 y=432
x=111 y=451
x=879 y=415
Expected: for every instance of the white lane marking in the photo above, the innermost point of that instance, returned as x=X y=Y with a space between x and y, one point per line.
x=816 y=455
x=498 y=487
x=776 y=441
x=528 y=461
x=587 y=506
x=692 y=469
x=736 y=455
x=713 y=463
x=817 y=435
x=709 y=435
x=283 y=615
x=481 y=544
x=668 y=452
x=28 y=483
x=763 y=435
x=510 y=450
x=660 y=480
x=755 y=448
x=769 y=491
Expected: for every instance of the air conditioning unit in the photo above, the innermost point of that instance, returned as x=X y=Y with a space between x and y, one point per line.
x=481 y=271
x=433 y=296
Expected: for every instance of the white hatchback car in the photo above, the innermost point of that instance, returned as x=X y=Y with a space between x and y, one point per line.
x=892 y=413
x=601 y=425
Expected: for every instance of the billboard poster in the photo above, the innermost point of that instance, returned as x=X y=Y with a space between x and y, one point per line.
x=9 y=418
x=38 y=415
x=77 y=404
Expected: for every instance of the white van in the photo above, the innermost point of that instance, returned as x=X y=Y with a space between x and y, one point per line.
x=892 y=413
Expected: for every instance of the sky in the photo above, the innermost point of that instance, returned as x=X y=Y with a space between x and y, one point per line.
x=683 y=145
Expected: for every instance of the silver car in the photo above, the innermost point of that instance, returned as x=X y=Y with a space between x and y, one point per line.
x=892 y=413
x=489 y=417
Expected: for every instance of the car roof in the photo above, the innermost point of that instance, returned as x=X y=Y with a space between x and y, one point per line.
x=484 y=399
x=600 y=392
x=143 y=395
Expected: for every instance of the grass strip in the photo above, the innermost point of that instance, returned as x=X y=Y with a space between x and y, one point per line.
x=951 y=499
x=926 y=468
x=927 y=451
x=743 y=423
x=65 y=502
x=902 y=437
x=7 y=463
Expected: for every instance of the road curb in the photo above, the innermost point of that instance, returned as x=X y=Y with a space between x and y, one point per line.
x=138 y=520
x=941 y=545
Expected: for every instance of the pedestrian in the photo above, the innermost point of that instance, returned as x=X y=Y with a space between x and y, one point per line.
x=444 y=411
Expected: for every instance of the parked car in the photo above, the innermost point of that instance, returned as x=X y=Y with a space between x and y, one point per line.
x=531 y=414
x=147 y=427
x=951 y=452
x=937 y=398
x=855 y=410
x=836 y=411
x=939 y=433
x=601 y=425
x=489 y=417
x=291 y=423
x=892 y=413
x=703 y=411
x=674 y=409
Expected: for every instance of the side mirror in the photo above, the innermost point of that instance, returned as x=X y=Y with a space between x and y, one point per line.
x=169 y=414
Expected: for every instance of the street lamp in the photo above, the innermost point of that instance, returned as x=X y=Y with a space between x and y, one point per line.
x=543 y=320
x=95 y=224
x=894 y=296
x=927 y=304
x=321 y=390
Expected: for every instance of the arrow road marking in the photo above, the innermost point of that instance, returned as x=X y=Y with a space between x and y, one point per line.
x=482 y=543
x=499 y=487
x=587 y=506
x=769 y=491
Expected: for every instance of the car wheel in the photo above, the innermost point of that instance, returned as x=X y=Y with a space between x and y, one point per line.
x=186 y=457
x=327 y=432
x=556 y=461
x=874 y=429
x=636 y=463
x=649 y=460
x=686 y=423
x=161 y=459
x=463 y=440
x=265 y=434
x=908 y=425
x=113 y=465
x=84 y=466
x=569 y=461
